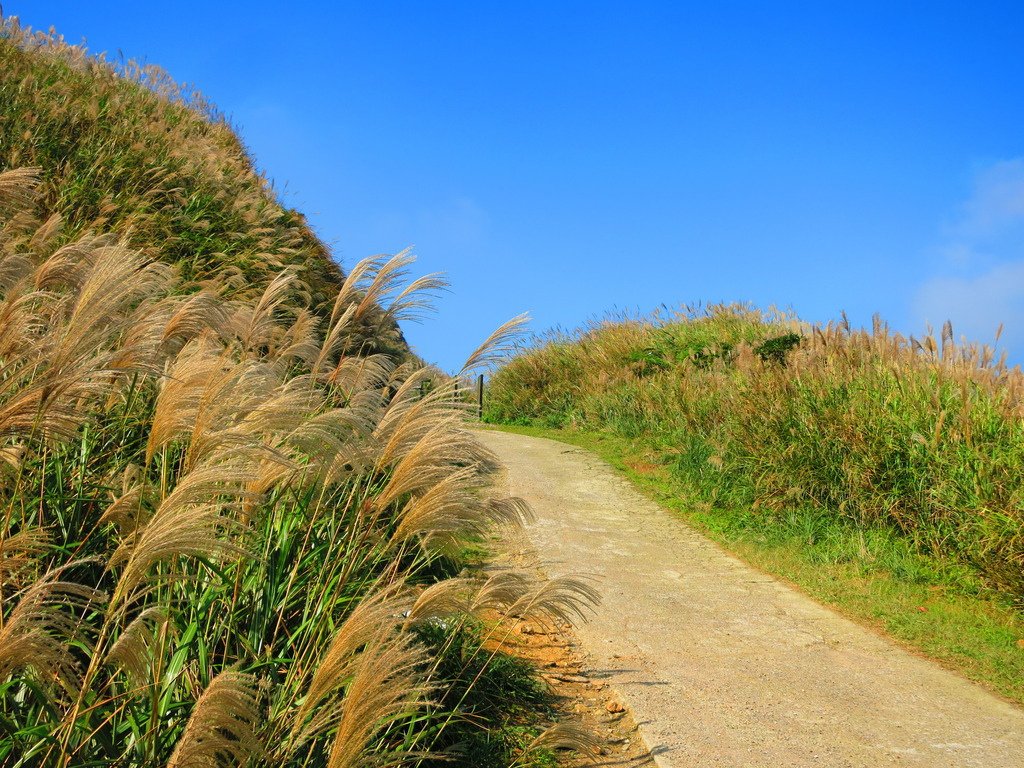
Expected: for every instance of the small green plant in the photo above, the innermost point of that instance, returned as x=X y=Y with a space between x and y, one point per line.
x=775 y=349
x=498 y=699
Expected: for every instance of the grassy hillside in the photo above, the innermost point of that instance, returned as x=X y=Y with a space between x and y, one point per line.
x=864 y=454
x=231 y=512
x=129 y=150
x=126 y=149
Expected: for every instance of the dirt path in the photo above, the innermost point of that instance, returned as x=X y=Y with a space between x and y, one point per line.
x=724 y=666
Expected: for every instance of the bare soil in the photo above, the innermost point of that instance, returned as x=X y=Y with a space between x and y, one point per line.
x=579 y=689
x=718 y=664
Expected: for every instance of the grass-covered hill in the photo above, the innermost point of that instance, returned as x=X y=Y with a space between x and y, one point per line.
x=925 y=436
x=859 y=463
x=230 y=510
x=126 y=149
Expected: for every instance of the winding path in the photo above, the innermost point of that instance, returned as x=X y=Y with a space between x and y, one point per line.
x=722 y=665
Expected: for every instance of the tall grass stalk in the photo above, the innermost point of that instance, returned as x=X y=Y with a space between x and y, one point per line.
x=229 y=493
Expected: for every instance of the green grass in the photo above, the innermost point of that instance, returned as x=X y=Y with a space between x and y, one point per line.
x=873 y=575
x=500 y=701
x=126 y=150
x=150 y=159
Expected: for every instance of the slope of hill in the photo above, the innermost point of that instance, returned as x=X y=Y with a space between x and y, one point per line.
x=126 y=149
x=230 y=507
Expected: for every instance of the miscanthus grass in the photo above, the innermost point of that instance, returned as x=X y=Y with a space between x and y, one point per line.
x=231 y=498
x=224 y=523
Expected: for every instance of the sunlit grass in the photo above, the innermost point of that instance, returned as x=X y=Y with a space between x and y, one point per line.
x=875 y=473
x=231 y=499
x=922 y=436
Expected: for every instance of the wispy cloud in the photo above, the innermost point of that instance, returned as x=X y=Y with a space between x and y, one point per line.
x=997 y=202
x=978 y=276
x=979 y=304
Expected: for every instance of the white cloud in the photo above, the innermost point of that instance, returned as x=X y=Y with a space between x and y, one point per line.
x=977 y=305
x=978 y=279
x=997 y=202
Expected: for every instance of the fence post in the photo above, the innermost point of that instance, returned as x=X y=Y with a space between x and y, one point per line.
x=480 y=396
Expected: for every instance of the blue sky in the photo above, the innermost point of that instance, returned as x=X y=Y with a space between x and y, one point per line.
x=573 y=158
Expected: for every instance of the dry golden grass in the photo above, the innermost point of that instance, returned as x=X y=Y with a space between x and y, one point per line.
x=221 y=522
x=226 y=491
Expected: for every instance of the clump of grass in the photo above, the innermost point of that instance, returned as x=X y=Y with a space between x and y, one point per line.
x=921 y=437
x=222 y=523
x=497 y=697
x=229 y=494
x=231 y=497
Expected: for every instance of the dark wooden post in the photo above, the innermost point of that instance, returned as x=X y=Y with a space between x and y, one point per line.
x=480 y=395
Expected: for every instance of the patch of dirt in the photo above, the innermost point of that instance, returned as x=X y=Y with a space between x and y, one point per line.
x=580 y=688
x=644 y=467
x=581 y=695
